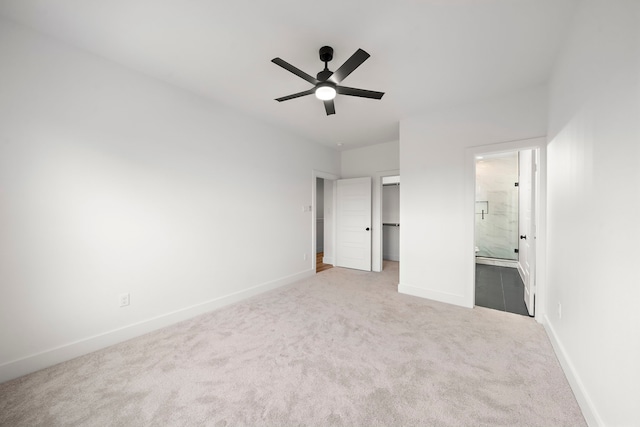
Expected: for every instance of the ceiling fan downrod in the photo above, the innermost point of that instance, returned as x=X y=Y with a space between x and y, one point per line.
x=326 y=55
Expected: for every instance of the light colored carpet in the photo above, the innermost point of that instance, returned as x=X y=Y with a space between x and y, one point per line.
x=341 y=348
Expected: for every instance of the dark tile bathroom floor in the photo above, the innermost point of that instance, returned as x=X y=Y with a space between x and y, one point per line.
x=500 y=288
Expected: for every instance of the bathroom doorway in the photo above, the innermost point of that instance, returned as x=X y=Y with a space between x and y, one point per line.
x=504 y=219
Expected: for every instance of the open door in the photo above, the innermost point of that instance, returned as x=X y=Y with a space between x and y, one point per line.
x=353 y=223
x=526 y=220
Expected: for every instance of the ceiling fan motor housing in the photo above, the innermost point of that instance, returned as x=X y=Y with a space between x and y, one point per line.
x=326 y=53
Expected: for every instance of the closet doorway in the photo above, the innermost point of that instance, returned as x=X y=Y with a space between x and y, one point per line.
x=390 y=219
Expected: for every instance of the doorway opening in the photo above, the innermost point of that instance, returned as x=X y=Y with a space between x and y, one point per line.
x=323 y=198
x=390 y=219
x=323 y=223
x=352 y=220
x=505 y=224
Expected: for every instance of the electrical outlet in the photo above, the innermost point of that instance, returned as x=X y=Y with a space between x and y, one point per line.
x=304 y=256
x=124 y=299
x=559 y=311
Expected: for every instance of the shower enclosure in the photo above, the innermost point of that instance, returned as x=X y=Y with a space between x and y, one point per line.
x=497 y=206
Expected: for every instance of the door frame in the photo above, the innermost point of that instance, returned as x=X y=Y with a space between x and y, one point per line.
x=327 y=177
x=540 y=249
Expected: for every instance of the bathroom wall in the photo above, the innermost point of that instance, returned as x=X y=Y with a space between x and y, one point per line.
x=497 y=196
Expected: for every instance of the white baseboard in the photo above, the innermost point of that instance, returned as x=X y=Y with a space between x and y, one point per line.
x=433 y=295
x=497 y=262
x=26 y=365
x=584 y=401
x=391 y=257
x=327 y=260
x=520 y=271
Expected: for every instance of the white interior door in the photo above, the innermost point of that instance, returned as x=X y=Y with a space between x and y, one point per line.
x=353 y=223
x=526 y=220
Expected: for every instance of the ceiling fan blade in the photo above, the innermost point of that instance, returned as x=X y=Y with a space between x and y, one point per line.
x=296 y=95
x=351 y=64
x=330 y=107
x=342 y=90
x=298 y=72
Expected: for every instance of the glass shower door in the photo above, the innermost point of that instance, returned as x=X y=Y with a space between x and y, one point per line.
x=497 y=206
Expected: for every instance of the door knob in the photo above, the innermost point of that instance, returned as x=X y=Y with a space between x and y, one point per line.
x=367 y=228
x=524 y=237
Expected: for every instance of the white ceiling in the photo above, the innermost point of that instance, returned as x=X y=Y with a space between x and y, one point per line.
x=424 y=53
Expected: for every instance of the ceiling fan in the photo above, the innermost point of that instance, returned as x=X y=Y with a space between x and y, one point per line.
x=326 y=84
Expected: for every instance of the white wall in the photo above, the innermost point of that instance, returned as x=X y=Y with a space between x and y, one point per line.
x=367 y=161
x=112 y=182
x=436 y=232
x=593 y=210
x=375 y=161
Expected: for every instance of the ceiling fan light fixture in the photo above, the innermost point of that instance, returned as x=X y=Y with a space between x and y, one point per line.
x=327 y=83
x=325 y=92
